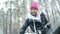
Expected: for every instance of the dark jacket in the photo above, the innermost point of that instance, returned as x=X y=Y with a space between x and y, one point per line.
x=38 y=24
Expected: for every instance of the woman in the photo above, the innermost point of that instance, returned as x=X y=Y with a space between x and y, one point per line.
x=33 y=16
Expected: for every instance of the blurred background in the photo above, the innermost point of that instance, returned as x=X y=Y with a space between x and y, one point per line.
x=13 y=15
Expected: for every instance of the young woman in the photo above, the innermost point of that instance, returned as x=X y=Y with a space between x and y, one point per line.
x=33 y=16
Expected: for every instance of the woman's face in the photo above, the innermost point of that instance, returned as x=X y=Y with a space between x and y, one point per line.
x=33 y=12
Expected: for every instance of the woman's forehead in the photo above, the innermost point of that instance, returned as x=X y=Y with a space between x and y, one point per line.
x=33 y=9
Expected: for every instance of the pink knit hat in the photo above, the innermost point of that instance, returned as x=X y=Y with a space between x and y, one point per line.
x=34 y=5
